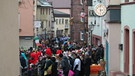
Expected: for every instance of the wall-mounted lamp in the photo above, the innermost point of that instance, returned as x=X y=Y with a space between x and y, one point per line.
x=121 y=47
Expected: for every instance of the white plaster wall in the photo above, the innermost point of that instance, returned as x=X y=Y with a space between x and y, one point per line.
x=122 y=1
x=114 y=2
x=127 y=19
x=113 y=39
x=114 y=52
x=131 y=0
x=9 y=38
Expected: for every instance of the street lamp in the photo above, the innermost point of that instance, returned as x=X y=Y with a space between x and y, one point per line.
x=91 y=28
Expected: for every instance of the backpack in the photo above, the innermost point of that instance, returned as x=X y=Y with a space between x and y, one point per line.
x=49 y=70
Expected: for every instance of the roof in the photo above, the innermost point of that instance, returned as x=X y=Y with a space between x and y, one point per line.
x=60 y=14
x=43 y=3
x=60 y=3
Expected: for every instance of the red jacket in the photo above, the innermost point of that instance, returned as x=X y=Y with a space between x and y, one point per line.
x=34 y=57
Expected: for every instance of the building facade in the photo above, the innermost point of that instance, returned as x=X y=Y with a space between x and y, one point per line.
x=62 y=12
x=111 y=37
x=26 y=32
x=79 y=27
x=95 y=24
x=62 y=25
x=127 y=54
x=9 y=39
x=119 y=37
x=61 y=5
x=46 y=18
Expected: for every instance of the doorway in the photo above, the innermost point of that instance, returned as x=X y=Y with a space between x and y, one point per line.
x=133 y=57
x=126 y=51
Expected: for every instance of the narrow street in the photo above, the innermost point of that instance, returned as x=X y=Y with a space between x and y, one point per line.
x=67 y=38
x=65 y=56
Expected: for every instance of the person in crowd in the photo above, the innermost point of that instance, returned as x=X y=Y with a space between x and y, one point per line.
x=71 y=61
x=48 y=51
x=24 y=56
x=77 y=65
x=33 y=62
x=87 y=63
x=89 y=49
x=42 y=63
x=34 y=57
x=23 y=64
x=58 y=51
x=93 y=57
x=64 y=64
x=48 y=64
x=39 y=52
x=54 y=67
x=82 y=57
x=73 y=56
x=100 y=52
x=65 y=47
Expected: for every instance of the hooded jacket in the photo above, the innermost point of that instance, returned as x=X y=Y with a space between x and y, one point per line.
x=65 y=64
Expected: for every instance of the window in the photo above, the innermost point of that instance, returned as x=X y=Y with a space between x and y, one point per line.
x=89 y=2
x=46 y=23
x=82 y=19
x=126 y=0
x=41 y=11
x=61 y=32
x=81 y=35
x=91 y=13
x=46 y=11
x=82 y=15
x=62 y=21
x=49 y=11
x=49 y=24
x=59 y=21
x=42 y=24
x=66 y=21
x=56 y=21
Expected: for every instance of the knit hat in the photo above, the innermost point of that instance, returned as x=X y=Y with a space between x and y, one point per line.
x=58 y=52
x=48 y=52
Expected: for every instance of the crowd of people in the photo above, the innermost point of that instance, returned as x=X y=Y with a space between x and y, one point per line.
x=59 y=59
